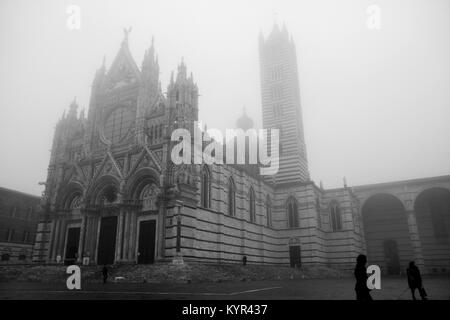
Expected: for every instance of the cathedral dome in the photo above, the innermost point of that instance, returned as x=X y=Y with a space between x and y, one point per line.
x=244 y=122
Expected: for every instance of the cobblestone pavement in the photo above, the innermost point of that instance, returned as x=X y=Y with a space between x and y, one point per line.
x=438 y=288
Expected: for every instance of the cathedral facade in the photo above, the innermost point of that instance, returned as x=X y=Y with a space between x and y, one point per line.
x=113 y=194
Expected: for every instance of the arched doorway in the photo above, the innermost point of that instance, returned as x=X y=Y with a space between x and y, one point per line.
x=386 y=233
x=432 y=208
x=144 y=188
x=105 y=199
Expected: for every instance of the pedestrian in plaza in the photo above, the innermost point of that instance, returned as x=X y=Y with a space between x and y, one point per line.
x=415 y=281
x=362 y=292
x=105 y=273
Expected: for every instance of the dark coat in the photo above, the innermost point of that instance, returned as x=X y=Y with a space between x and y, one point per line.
x=414 y=277
x=361 y=278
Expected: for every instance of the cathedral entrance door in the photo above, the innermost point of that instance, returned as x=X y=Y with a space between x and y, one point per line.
x=391 y=257
x=73 y=239
x=107 y=240
x=294 y=255
x=147 y=231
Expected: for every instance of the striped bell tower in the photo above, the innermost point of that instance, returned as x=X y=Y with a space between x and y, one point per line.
x=280 y=96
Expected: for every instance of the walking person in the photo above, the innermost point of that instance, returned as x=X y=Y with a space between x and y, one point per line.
x=362 y=292
x=415 y=281
x=105 y=274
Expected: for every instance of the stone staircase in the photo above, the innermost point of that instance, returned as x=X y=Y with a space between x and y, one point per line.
x=167 y=272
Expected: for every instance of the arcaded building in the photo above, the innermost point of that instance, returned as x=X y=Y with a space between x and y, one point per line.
x=114 y=195
x=18 y=222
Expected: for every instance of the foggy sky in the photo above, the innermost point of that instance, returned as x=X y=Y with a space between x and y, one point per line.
x=376 y=103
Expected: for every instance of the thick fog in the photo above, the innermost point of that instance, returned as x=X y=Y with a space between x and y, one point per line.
x=376 y=101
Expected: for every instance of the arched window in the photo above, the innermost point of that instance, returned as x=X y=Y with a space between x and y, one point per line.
x=231 y=198
x=75 y=203
x=149 y=197
x=269 y=211
x=319 y=217
x=205 y=188
x=335 y=217
x=252 y=205
x=118 y=124
x=292 y=212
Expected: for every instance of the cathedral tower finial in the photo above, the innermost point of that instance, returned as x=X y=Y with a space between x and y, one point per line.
x=126 y=32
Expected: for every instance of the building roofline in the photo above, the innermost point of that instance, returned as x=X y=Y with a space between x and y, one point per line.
x=20 y=192
x=383 y=184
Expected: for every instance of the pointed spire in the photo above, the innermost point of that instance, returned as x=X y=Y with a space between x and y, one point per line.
x=276 y=27
x=73 y=108
x=152 y=48
x=284 y=29
x=126 y=32
x=100 y=72
x=181 y=70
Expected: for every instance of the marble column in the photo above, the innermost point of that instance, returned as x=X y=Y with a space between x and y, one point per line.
x=61 y=239
x=126 y=237
x=133 y=232
x=82 y=237
x=119 y=236
x=94 y=238
x=160 y=235
x=54 y=240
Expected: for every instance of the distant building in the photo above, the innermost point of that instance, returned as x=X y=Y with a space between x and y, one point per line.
x=113 y=194
x=18 y=221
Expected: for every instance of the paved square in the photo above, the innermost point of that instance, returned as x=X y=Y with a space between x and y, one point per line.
x=438 y=288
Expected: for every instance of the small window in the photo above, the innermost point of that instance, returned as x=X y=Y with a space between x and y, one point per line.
x=22 y=257
x=252 y=205
x=335 y=214
x=277 y=93
x=277 y=110
x=231 y=198
x=5 y=257
x=319 y=217
x=269 y=211
x=205 y=188
x=292 y=212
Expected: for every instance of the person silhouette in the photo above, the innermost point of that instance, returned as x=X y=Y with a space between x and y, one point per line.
x=362 y=292
x=105 y=273
x=415 y=281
